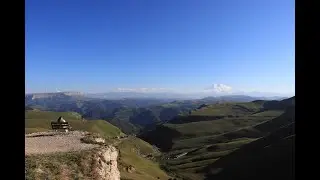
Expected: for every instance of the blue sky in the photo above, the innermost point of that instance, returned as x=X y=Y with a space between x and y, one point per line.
x=176 y=45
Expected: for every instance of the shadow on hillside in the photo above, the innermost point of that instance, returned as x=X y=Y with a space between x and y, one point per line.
x=271 y=157
x=279 y=105
x=274 y=162
x=259 y=130
x=165 y=142
x=194 y=118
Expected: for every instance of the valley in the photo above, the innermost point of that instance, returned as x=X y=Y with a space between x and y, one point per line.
x=134 y=161
x=159 y=90
x=197 y=139
x=194 y=144
x=131 y=115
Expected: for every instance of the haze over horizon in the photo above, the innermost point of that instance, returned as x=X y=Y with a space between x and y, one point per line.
x=190 y=47
x=167 y=93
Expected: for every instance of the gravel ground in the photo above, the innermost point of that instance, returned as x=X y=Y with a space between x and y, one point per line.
x=50 y=142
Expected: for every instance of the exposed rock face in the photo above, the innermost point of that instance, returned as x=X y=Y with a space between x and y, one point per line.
x=96 y=160
x=108 y=169
x=99 y=140
x=130 y=169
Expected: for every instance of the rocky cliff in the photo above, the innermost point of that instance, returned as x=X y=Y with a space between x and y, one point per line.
x=77 y=158
x=108 y=165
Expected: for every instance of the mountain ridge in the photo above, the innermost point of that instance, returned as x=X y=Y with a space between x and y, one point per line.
x=124 y=112
x=193 y=149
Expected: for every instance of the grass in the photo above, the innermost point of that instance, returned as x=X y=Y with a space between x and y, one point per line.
x=204 y=156
x=37 y=121
x=235 y=143
x=195 y=164
x=194 y=134
x=197 y=160
x=270 y=113
x=143 y=147
x=132 y=150
x=211 y=133
x=75 y=165
x=50 y=115
x=207 y=141
x=214 y=127
x=228 y=109
x=270 y=157
x=79 y=165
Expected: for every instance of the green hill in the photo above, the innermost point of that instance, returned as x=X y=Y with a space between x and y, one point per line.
x=134 y=152
x=132 y=115
x=142 y=157
x=36 y=121
x=194 y=142
x=132 y=120
x=205 y=123
x=270 y=157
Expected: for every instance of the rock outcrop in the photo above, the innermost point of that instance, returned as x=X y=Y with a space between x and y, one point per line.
x=73 y=155
x=108 y=165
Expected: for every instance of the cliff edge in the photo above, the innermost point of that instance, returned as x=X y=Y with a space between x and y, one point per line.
x=73 y=155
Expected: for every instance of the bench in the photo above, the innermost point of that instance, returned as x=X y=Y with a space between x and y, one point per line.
x=60 y=126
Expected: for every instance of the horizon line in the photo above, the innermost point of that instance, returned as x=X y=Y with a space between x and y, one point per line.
x=209 y=94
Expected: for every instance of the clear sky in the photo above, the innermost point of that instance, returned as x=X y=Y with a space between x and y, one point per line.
x=181 y=45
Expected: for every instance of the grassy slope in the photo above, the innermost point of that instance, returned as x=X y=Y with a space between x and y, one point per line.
x=132 y=151
x=36 y=121
x=225 y=109
x=40 y=121
x=270 y=157
x=208 y=140
x=80 y=165
x=121 y=120
x=75 y=165
x=123 y=117
x=197 y=133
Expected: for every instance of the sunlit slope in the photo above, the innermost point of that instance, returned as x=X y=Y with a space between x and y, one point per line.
x=36 y=121
x=192 y=143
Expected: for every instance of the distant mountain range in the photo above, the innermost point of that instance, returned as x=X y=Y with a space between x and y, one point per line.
x=210 y=138
x=129 y=111
x=151 y=95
